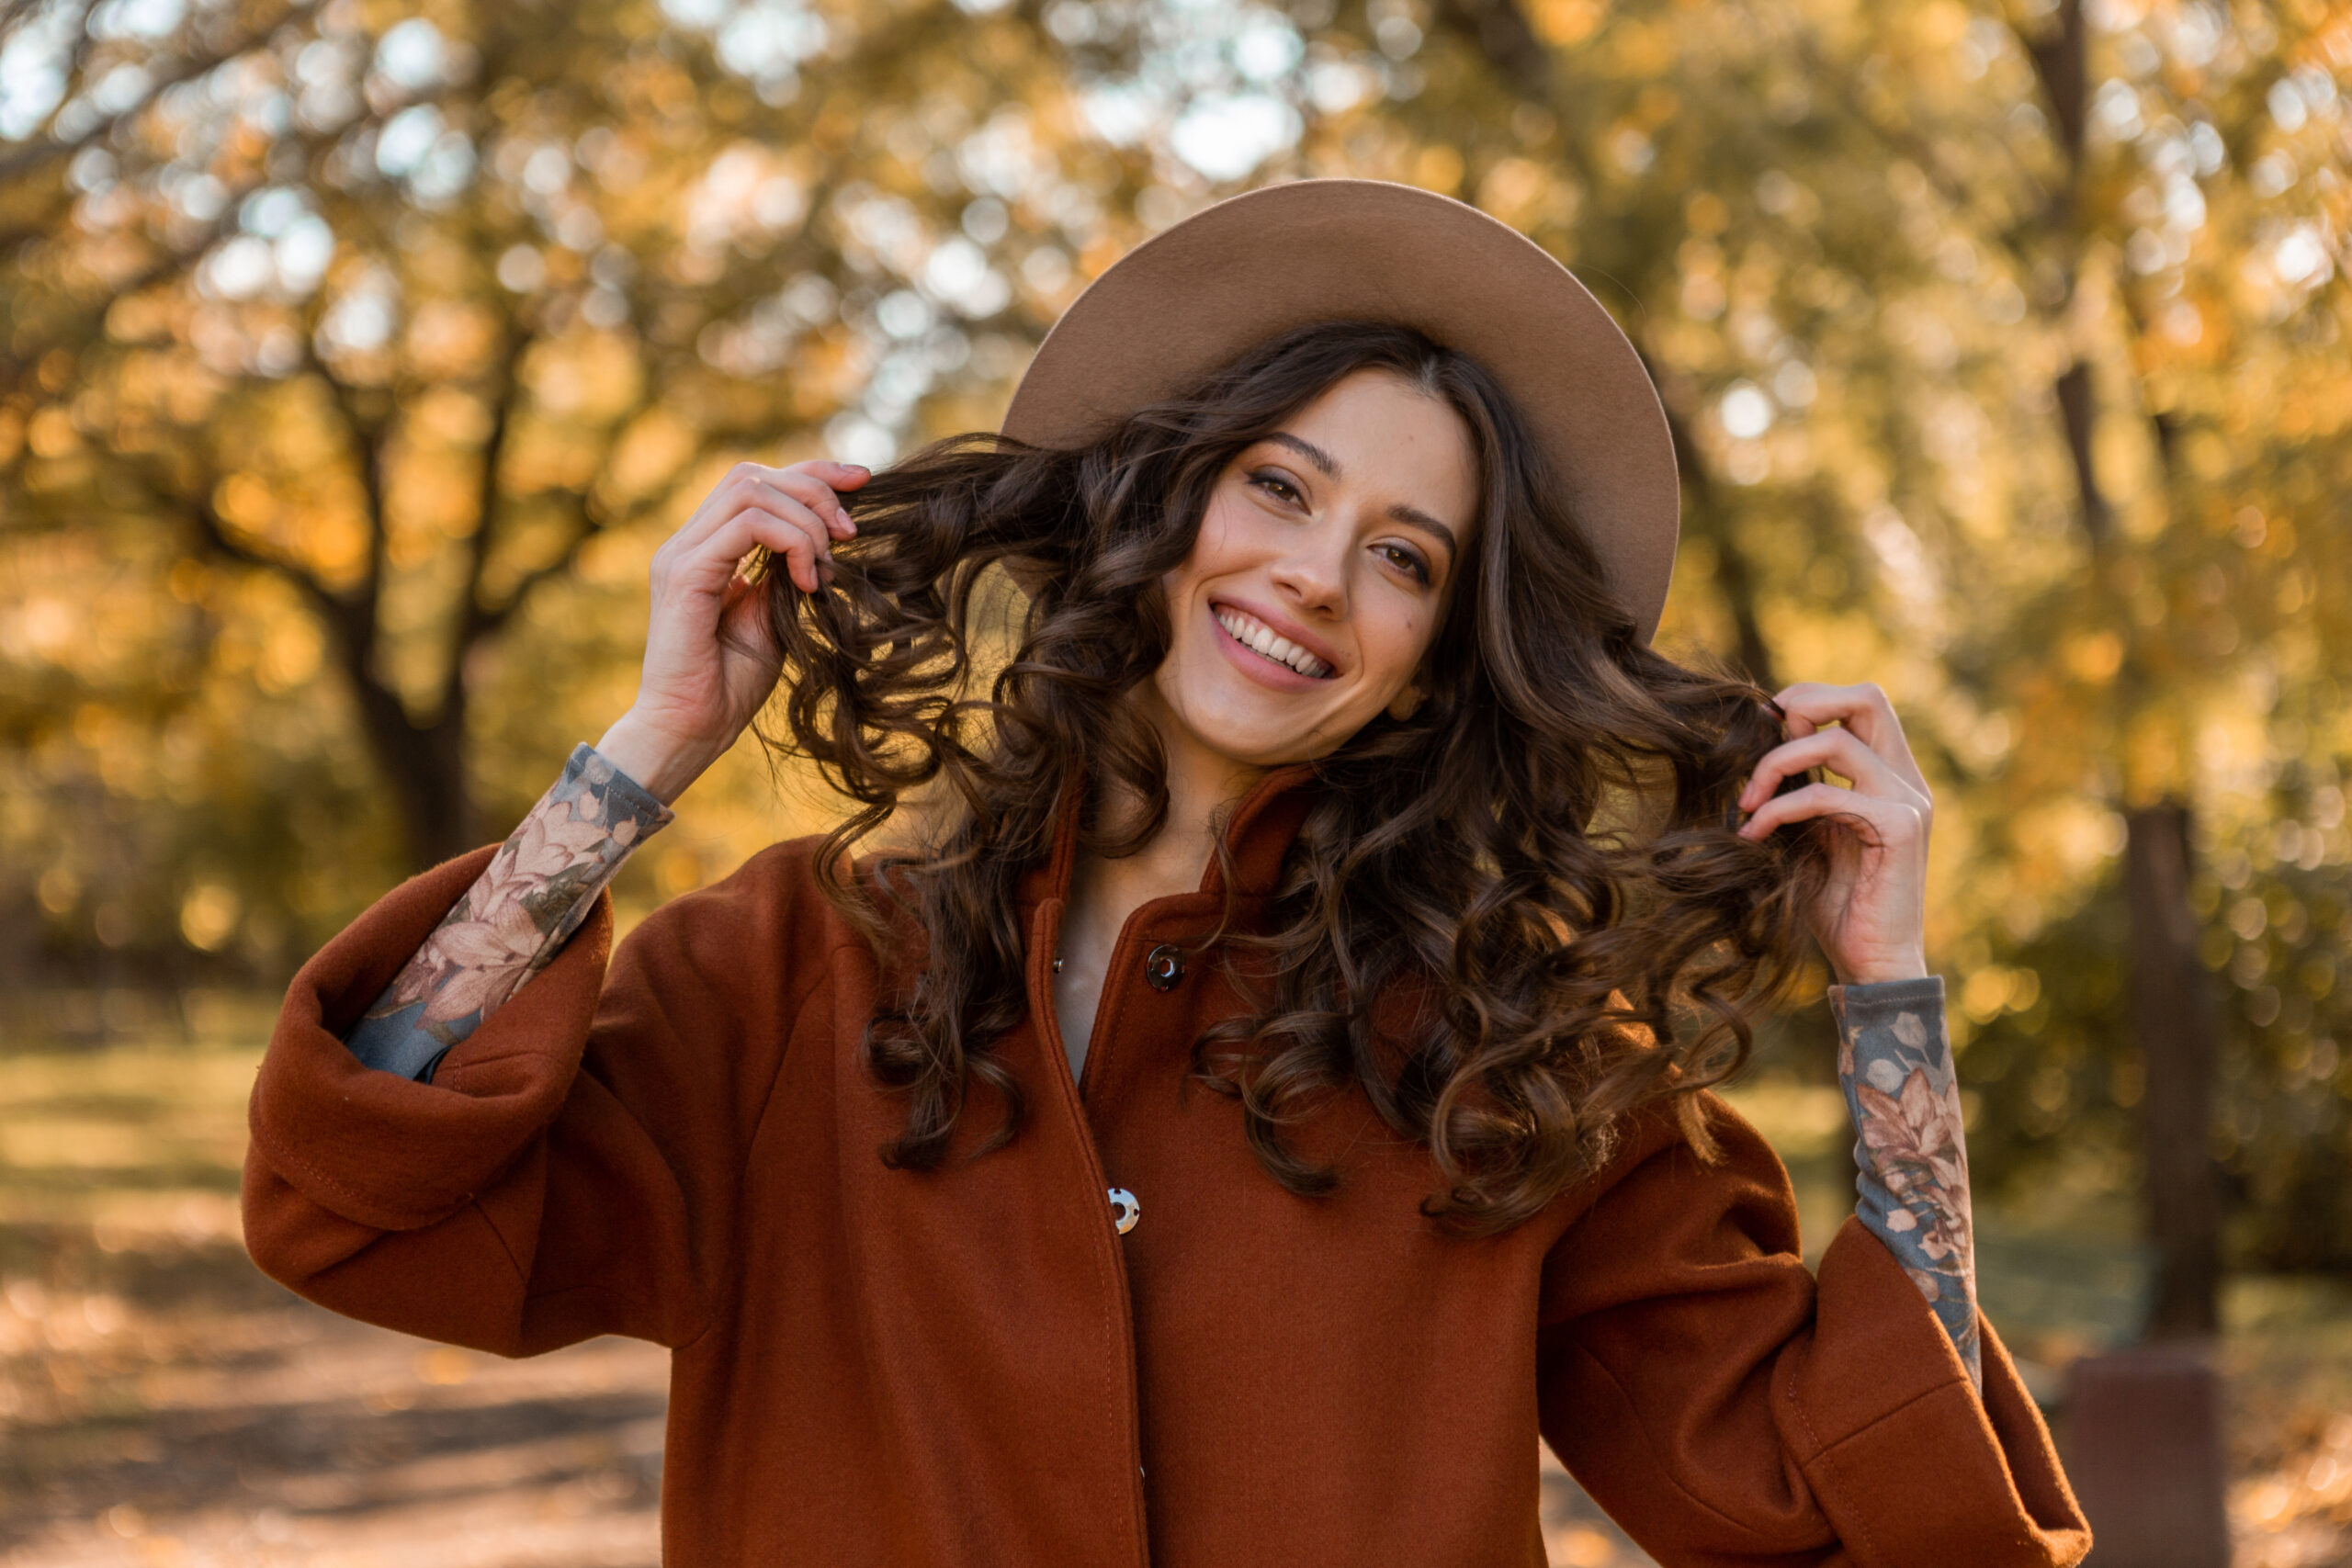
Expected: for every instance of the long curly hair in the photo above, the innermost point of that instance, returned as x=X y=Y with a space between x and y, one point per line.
x=1542 y=853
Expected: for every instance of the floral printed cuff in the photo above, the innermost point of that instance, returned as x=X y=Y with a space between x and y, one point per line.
x=1894 y=1063
x=516 y=918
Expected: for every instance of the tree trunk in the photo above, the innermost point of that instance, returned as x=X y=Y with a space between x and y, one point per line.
x=2077 y=413
x=1708 y=518
x=1735 y=581
x=426 y=768
x=2173 y=1015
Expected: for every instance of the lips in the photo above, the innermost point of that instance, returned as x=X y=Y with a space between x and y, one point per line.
x=1263 y=640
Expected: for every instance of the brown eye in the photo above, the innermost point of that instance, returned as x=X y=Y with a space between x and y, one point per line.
x=1275 y=485
x=1406 y=561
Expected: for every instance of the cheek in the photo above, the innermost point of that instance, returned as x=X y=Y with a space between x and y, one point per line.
x=1221 y=543
x=1401 y=642
x=1225 y=546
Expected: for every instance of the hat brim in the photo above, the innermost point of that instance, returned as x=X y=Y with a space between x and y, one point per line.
x=1289 y=256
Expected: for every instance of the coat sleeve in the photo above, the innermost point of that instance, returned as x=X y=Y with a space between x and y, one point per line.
x=1726 y=1408
x=572 y=1168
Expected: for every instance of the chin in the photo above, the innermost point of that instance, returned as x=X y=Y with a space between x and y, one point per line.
x=1254 y=729
x=1261 y=751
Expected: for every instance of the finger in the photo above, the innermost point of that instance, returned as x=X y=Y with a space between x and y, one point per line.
x=797 y=518
x=775 y=503
x=1865 y=709
x=738 y=485
x=1879 y=823
x=835 y=477
x=814 y=493
x=798 y=541
x=1839 y=750
x=757 y=484
x=840 y=476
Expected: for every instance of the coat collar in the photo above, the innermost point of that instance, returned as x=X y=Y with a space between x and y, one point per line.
x=1257 y=833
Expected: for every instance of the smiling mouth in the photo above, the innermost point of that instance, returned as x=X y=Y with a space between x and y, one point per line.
x=1259 y=638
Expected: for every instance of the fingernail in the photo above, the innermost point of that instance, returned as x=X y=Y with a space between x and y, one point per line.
x=860 y=470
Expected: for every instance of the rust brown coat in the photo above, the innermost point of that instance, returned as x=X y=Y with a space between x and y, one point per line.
x=971 y=1367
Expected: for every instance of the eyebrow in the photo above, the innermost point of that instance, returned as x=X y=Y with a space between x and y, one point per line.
x=1401 y=513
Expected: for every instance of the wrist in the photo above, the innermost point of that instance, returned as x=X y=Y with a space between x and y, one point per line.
x=659 y=764
x=1879 y=970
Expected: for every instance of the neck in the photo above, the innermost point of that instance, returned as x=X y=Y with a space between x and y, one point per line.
x=1201 y=784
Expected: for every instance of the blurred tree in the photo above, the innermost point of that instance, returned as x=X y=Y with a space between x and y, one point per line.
x=2169 y=250
x=407 y=310
x=2136 y=208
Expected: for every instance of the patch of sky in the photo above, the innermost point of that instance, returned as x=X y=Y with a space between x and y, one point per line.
x=2116 y=110
x=239 y=269
x=304 y=249
x=701 y=14
x=1227 y=137
x=810 y=297
x=199 y=194
x=986 y=220
x=1212 y=88
x=269 y=211
x=1002 y=157
x=1746 y=410
x=854 y=437
x=958 y=272
x=446 y=170
x=761 y=41
x=363 y=320
x=2206 y=147
x=1266 y=51
x=1121 y=113
x=2301 y=256
x=2183 y=204
x=2287 y=105
x=546 y=171
x=32 y=70
x=903 y=313
x=412 y=55
x=406 y=139
x=124 y=19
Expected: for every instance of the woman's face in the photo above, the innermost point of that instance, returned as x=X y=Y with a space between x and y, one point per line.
x=1324 y=566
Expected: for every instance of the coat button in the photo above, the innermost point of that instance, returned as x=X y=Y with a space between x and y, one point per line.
x=1163 y=966
x=1125 y=1210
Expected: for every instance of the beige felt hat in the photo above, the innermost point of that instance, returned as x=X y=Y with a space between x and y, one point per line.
x=1231 y=275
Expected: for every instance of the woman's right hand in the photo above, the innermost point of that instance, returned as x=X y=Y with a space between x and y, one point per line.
x=710 y=660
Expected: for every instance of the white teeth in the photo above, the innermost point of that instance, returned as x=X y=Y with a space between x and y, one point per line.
x=1256 y=635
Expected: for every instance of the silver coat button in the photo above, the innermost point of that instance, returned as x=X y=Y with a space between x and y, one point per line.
x=1163 y=966
x=1125 y=1210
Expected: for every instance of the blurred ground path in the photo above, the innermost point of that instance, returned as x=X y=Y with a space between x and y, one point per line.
x=283 y=1435
x=160 y=1403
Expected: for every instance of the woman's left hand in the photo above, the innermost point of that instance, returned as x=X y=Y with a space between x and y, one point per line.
x=1871 y=915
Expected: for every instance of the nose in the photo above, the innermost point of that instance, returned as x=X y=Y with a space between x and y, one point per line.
x=1312 y=574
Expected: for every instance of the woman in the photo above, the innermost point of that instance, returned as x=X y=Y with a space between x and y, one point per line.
x=1273 y=1088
